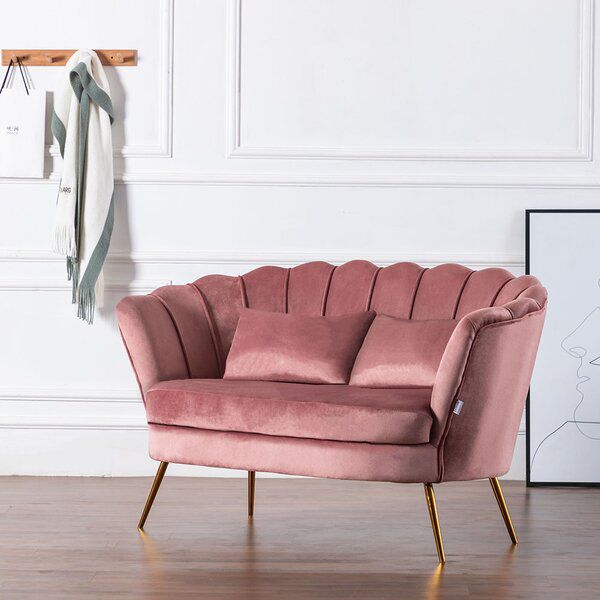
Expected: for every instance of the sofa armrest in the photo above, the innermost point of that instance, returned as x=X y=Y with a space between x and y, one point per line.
x=151 y=341
x=168 y=335
x=487 y=366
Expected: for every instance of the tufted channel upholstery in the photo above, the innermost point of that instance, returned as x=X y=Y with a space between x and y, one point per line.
x=178 y=338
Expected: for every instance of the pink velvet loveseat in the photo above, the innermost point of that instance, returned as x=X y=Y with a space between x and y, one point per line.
x=457 y=422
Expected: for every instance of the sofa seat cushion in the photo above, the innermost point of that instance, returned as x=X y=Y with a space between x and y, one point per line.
x=324 y=412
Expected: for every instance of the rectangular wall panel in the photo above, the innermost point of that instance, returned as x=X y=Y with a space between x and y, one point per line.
x=141 y=95
x=501 y=79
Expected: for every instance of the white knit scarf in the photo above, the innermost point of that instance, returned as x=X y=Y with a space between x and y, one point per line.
x=81 y=123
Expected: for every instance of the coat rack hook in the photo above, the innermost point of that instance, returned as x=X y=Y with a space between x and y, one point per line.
x=55 y=58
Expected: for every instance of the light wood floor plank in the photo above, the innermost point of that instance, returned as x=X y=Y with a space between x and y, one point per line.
x=63 y=538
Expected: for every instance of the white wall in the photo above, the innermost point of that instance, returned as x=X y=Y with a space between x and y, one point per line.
x=273 y=132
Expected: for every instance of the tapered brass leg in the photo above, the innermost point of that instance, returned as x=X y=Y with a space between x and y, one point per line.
x=503 y=509
x=435 y=521
x=153 y=490
x=251 y=488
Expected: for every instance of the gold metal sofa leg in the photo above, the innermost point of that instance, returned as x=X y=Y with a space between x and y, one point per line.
x=435 y=521
x=153 y=491
x=503 y=509
x=251 y=488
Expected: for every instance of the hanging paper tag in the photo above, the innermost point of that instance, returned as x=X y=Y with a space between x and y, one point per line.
x=22 y=133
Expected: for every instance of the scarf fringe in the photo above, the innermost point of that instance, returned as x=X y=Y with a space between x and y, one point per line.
x=88 y=298
x=64 y=241
x=86 y=303
x=73 y=275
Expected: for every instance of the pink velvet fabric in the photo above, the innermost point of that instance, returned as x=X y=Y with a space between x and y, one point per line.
x=294 y=456
x=151 y=341
x=439 y=292
x=351 y=287
x=224 y=298
x=324 y=412
x=185 y=332
x=259 y=285
x=395 y=289
x=481 y=290
x=401 y=352
x=487 y=365
x=403 y=290
x=307 y=288
x=189 y=314
x=271 y=346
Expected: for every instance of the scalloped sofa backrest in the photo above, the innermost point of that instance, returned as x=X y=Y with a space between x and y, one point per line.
x=209 y=308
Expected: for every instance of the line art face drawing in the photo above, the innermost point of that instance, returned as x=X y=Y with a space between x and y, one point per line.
x=576 y=442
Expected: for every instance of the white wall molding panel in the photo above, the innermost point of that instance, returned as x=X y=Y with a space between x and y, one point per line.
x=317 y=79
x=162 y=147
x=143 y=96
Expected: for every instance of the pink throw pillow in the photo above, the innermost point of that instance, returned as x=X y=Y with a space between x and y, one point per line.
x=401 y=352
x=270 y=346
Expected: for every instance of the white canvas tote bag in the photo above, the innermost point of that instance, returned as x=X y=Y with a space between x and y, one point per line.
x=22 y=132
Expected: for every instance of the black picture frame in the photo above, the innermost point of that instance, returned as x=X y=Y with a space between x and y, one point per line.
x=530 y=483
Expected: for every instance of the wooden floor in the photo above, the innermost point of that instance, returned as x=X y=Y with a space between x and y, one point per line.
x=76 y=538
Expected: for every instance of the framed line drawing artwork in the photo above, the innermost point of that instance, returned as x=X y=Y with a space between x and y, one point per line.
x=563 y=406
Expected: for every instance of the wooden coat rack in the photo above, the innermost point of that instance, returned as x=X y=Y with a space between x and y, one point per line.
x=57 y=58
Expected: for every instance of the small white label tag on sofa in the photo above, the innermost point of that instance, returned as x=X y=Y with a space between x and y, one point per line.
x=458 y=407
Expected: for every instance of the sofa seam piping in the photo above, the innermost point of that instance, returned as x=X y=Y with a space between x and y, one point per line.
x=177 y=331
x=372 y=288
x=243 y=293
x=326 y=291
x=211 y=327
x=460 y=293
x=416 y=291
x=511 y=278
x=286 y=287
